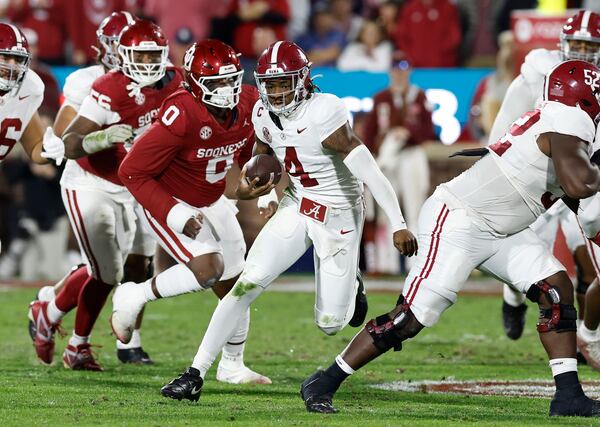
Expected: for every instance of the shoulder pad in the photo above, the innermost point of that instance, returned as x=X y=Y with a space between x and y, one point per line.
x=538 y=63
x=32 y=84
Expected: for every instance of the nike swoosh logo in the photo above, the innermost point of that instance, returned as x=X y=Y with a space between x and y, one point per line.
x=195 y=390
x=346 y=231
x=300 y=130
x=23 y=97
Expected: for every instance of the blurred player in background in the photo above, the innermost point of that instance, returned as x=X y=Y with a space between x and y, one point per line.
x=323 y=206
x=119 y=106
x=480 y=220
x=176 y=170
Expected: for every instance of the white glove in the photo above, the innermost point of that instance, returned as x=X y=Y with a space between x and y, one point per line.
x=105 y=138
x=54 y=147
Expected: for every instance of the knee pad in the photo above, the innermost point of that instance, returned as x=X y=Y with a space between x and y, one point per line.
x=558 y=317
x=389 y=332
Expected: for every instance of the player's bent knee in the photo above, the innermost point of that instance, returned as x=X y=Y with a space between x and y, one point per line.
x=137 y=268
x=391 y=329
x=555 y=316
x=207 y=269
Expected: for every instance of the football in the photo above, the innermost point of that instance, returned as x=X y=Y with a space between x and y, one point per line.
x=263 y=166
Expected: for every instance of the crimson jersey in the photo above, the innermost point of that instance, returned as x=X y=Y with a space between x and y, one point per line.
x=111 y=101
x=186 y=153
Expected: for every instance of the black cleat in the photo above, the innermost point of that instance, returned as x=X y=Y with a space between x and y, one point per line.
x=579 y=406
x=187 y=386
x=513 y=319
x=321 y=403
x=361 y=306
x=134 y=355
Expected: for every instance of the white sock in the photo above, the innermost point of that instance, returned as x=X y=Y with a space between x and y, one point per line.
x=343 y=365
x=232 y=356
x=587 y=334
x=77 y=340
x=560 y=366
x=578 y=323
x=512 y=297
x=136 y=341
x=224 y=321
x=174 y=281
x=46 y=293
x=54 y=314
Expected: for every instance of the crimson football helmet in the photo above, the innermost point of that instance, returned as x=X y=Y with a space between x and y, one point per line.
x=213 y=73
x=583 y=26
x=283 y=59
x=14 y=50
x=143 y=36
x=107 y=36
x=577 y=84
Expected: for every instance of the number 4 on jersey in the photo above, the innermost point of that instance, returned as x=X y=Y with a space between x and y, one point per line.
x=291 y=158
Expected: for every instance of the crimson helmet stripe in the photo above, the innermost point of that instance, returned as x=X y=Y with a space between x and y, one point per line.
x=274 y=53
x=17 y=35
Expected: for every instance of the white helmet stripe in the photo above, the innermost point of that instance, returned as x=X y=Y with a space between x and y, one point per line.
x=585 y=21
x=129 y=17
x=17 y=35
x=274 y=53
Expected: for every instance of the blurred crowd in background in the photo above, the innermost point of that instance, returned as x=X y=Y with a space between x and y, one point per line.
x=391 y=36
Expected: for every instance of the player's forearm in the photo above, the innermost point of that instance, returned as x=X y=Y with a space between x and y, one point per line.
x=36 y=154
x=362 y=165
x=74 y=146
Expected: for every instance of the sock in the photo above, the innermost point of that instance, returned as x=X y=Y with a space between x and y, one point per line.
x=174 y=281
x=91 y=300
x=136 y=341
x=67 y=298
x=567 y=384
x=232 y=356
x=512 y=297
x=46 y=293
x=224 y=321
x=77 y=340
x=587 y=334
x=54 y=313
x=333 y=378
x=560 y=366
x=343 y=365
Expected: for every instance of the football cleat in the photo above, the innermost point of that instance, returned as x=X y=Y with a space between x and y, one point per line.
x=570 y=406
x=44 y=294
x=186 y=386
x=134 y=355
x=321 y=403
x=80 y=358
x=361 y=305
x=43 y=339
x=242 y=375
x=513 y=319
x=590 y=351
x=128 y=300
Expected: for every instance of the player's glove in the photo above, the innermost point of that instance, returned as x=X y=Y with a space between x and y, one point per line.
x=106 y=138
x=54 y=147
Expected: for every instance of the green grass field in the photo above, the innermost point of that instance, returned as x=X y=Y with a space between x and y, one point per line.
x=284 y=344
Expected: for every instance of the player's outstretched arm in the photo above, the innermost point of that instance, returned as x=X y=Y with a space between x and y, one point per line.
x=33 y=140
x=84 y=136
x=578 y=177
x=360 y=162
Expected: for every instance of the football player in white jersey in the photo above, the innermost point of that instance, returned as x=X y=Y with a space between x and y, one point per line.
x=579 y=39
x=66 y=294
x=309 y=133
x=21 y=94
x=480 y=220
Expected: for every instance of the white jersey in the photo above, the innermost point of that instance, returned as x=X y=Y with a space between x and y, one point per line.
x=315 y=172
x=17 y=109
x=508 y=189
x=77 y=87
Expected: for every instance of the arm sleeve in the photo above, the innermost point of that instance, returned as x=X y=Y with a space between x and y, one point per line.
x=149 y=156
x=517 y=101
x=362 y=165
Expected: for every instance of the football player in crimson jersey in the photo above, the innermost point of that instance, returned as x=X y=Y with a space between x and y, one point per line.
x=101 y=211
x=176 y=170
x=137 y=266
x=21 y=94
x=579 y=39
x=480 y=220
x=323 y=206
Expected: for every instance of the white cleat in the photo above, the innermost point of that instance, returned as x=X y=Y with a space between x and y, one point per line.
x=128 y=300
x=590 y=350
x=241 y=375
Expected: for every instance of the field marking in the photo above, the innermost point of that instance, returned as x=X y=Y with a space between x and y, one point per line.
x=534 y=388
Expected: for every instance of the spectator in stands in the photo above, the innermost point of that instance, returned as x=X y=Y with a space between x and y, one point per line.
x=188 y=22
x=47 y=18
x=299 y=16
x=371 y=51
x=387 y=17
x=397 y=126
x=324 y=42
x=429 y=32
x=258 y=14
x=347 y=21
